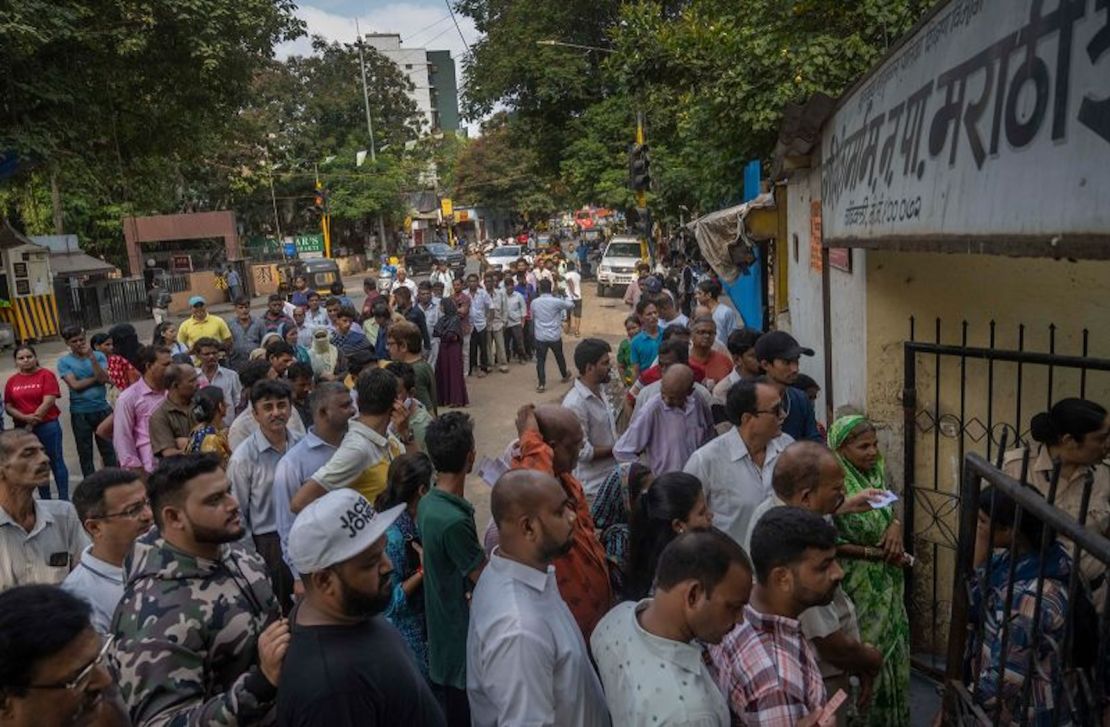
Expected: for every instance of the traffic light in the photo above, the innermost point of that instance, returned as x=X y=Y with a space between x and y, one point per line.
x=320 y=201
x=639 y=168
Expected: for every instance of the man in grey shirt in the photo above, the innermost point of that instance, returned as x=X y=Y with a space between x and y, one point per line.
x=114 y=510
x=251 y=474
x=40 y=540
x=246 y=334
x=590 y=404
x=547 y=321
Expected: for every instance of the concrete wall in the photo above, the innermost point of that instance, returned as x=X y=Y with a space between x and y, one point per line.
x=848 y=301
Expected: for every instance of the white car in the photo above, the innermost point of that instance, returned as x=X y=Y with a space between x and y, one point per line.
x=618 y=264
x=505 y=256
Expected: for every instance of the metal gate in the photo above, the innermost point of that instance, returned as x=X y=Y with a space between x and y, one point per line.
x=101 y=303
x=963 y=398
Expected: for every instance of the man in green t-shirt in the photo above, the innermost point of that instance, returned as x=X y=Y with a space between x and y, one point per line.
x=453 y=560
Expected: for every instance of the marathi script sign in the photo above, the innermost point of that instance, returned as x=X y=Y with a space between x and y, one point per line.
x=992 y=120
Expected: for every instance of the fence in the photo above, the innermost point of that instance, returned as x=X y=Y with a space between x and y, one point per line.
x=101 y=303
x=960 y=398
x=1025 y=648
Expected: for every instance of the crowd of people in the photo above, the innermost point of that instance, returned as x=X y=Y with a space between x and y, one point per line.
x=279 y=530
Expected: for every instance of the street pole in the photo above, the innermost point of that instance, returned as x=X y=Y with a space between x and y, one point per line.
x=273 y=197
x=369 y=125
x=641 y=195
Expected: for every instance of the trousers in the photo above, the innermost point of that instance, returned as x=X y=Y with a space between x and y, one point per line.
x=50 y=435
x=84 y=434
x=542 y=347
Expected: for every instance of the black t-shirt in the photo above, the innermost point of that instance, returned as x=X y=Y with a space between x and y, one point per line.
x=348 y=676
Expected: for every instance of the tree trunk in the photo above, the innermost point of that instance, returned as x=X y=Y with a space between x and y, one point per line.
x=56 y=202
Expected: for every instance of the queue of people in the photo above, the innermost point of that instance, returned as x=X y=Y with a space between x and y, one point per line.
x=280 y=532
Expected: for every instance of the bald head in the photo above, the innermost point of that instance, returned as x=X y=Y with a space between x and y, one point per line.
x=808 y=475
x=520 y=492
x=676 y=385
x=563 y=433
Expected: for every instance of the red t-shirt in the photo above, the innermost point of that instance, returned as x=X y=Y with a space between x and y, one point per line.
x=716 y=367
x=653 y=374
x=26 y=391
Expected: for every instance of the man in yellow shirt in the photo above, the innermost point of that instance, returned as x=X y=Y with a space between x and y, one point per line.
x=202 y=324
x=374 y=438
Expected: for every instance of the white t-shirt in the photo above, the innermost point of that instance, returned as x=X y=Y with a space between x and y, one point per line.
x=574 y=285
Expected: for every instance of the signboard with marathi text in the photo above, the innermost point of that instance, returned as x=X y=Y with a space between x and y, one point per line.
x=986 y=129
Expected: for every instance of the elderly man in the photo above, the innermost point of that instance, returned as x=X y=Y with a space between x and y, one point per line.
x=346 y=664
x=40 y=540
x=550 y=439
x=527 y=662
x=670 y=427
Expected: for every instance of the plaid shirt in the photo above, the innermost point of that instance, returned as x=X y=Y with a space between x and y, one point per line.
x=768 y=671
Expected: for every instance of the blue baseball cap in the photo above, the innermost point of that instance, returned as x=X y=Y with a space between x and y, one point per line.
x=197 y=300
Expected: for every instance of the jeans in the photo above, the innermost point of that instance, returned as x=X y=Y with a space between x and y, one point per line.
x=50 y=434
x=479 y=350
x=529 y=337
x=84 y=434
x=542 y=347
x=514 y=337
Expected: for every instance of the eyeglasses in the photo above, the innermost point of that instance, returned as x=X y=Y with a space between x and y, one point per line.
x=776 y=410
x=131 y=512
x=79 y=682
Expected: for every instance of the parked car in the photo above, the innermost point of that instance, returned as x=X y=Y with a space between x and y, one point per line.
x=504 y=256
x=618 y=263
x=421 y=259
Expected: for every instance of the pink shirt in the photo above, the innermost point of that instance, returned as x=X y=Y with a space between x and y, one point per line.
x=131 y=427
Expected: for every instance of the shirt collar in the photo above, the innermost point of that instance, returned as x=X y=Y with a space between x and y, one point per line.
x=367 y=432
x=261 y=444
x=534 y=579
x=43 y=517
x=687 y=656
x=737 y=448
x=313 y=439
x=101 y=568
x=768 y=621
x=584 y=390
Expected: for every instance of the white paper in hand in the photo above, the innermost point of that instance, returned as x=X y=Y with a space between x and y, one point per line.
x=886 y=498
x=490 y=470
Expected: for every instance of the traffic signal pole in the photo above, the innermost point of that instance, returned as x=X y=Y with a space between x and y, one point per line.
x=642 y=210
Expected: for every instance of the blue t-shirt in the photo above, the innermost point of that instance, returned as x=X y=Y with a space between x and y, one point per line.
x=801 y=421
x=92 y=399
x=645 y=349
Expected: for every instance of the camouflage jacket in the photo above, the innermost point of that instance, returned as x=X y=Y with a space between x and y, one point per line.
x=186 y=649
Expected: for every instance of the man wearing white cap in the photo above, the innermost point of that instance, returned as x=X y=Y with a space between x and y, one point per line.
x=346 y=664
x=202 y=324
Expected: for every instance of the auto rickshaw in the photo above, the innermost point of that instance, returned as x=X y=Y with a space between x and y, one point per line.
x=320 y=273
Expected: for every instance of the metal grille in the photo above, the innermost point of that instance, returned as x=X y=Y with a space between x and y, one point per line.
x=958 y=399
x=1035 y=631
x=102 y=303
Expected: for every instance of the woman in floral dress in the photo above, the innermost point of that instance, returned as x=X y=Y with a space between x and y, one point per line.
x=870 y=552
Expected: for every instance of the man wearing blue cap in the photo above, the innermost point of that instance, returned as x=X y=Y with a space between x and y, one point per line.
x=346 y=664
x=202 y=324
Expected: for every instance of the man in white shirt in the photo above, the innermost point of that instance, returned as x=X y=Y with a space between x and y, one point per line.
x=573 y=281
x=403 y=281
x=480 y=305
x=316 y=315
x=736 y=468
x=442 y=276
x=114 y=510
x=40 y=540
x=526 y=660
x=516 y=310
x=590 y=404
x=651 y=654
x=498 y=311
x=547 y=320
x=427 y=302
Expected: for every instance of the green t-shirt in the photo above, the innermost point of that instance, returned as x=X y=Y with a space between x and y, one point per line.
x=451 y=552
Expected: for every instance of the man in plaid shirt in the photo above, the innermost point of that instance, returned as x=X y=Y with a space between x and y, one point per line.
x=766 y=668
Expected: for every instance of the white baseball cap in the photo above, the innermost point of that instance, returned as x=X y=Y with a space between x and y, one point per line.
x=335 y=528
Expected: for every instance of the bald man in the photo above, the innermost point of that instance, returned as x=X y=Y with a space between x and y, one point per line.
x=527 y=661
x=550 y=439
x=670 y=427
x=807 y=475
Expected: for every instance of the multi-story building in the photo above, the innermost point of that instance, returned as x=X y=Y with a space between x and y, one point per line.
x=432 y=74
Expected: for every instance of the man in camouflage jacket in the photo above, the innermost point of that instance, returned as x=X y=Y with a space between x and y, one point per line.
x=198 y=635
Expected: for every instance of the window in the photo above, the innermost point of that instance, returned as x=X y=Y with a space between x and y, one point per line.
x=408 y=66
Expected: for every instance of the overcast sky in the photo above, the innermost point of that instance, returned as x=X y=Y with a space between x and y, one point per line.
x=420 y=23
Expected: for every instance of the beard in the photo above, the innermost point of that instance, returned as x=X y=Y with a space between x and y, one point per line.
x=552 y=549
x=810 y=598
x=356 y=604
x=226 y=534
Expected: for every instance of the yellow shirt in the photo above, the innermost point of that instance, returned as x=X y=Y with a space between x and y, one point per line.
x=192 y=330
x=361 y=462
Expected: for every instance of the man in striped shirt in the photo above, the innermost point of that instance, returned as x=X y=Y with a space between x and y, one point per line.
x=766 y=667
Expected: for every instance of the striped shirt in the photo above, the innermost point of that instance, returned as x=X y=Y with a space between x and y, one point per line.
x=768 y=671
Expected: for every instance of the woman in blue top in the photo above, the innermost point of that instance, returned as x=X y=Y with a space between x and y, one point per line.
x=645 y=344
x=408 y=480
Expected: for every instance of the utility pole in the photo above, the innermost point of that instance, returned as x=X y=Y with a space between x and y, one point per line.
x=369 y=125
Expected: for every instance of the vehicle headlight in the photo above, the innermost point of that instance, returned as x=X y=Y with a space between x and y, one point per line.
x=606 y=269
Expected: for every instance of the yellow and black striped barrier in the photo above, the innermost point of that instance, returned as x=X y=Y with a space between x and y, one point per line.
x=32 y=317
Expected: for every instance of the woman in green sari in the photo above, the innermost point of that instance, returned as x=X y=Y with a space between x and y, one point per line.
x=870 y=552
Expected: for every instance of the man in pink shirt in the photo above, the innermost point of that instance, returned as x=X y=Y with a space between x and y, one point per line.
x=131 y=426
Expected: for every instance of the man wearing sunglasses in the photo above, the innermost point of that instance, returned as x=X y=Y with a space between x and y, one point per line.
x=114 y=510
x=53 y=670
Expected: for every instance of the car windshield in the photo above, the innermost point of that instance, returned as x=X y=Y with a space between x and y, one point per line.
x=623 y=249
x=506 y=251
x=438 y=248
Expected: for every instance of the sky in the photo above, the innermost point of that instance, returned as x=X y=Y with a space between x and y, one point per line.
x=420 y=23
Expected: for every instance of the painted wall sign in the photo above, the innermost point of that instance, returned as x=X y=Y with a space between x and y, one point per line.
x=992 y=120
